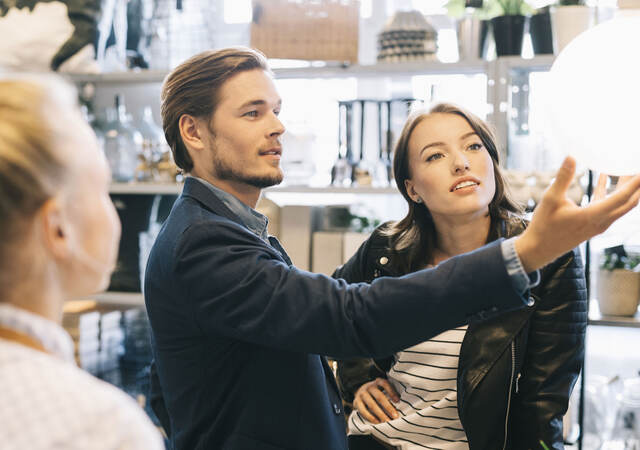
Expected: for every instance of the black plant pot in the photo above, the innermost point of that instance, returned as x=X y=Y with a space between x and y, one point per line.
x=540 y=31
x=508 y=32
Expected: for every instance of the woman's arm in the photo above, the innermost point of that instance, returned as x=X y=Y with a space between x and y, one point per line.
x=553 y=355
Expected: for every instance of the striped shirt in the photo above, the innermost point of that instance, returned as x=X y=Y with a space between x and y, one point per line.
x=425 y=377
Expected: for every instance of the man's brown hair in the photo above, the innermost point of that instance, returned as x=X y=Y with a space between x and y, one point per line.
x=192 y=88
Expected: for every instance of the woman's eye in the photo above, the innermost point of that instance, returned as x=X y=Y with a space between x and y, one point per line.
x=251 y=114
x=435 y=156
x=276 y=112
x=475 y=146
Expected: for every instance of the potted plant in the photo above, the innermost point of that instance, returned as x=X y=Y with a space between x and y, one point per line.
x=618 y=287
x=569 y=18
x=540 y=31
x=508 y=25
x=472 y=27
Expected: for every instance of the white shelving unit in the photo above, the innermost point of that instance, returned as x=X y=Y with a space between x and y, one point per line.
x=176 y=189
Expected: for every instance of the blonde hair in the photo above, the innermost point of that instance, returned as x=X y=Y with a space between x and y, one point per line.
x=32 y=168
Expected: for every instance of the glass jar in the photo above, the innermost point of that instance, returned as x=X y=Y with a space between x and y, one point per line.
x=122 y=143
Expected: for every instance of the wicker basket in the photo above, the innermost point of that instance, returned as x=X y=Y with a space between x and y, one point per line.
x=306 y=29
x=618 y=292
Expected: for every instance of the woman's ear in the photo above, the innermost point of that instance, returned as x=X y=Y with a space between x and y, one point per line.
x=53 y=228
x=411 y=191
x=190 y=132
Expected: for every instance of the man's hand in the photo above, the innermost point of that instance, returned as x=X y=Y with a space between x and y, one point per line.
x=372 y=401
x=558 y=225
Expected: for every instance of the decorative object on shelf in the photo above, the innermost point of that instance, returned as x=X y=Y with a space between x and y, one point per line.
x=113 y=22
x=407 y=36
x=63 y=41
x=155 y=149
x=540 y=32
x=618 y=282
x=122 y=143
x=508 y=26
x=307 y=29
x=598 y=126
x=472 y=27
x=568 y=19
x=626 y=429
x=179 y=30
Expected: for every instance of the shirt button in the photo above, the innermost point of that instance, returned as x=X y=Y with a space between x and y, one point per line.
x=384 y=260
x=336 y=408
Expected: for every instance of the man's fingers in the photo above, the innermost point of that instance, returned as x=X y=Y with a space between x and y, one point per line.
x=601 y=187
x=564 y=177
x=622 y=197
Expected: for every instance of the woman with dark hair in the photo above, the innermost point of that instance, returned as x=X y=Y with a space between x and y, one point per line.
x=499 y=383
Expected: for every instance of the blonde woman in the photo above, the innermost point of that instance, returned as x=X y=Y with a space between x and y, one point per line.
x=499 y=383
x=59 y=241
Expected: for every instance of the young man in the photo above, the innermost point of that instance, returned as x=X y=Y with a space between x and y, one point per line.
x=237 y=329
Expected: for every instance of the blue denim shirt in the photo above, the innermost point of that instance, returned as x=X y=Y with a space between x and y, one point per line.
x=252 y=219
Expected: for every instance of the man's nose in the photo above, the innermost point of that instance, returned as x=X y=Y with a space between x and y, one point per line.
x=276 y=127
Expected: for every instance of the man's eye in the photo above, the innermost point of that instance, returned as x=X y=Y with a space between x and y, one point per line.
x=251 y=114
x=435 y=156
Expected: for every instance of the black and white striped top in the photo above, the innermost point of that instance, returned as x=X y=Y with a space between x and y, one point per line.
x=425 y=377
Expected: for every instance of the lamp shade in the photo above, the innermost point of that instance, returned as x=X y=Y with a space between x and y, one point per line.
x=594 y=98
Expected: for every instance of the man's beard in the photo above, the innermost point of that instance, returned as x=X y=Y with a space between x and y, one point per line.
x=225 y=171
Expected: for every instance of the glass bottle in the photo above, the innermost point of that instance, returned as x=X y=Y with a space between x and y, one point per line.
x=154 y=144
x=122 y=143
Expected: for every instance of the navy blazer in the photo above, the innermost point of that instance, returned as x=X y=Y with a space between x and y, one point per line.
x=237 y=330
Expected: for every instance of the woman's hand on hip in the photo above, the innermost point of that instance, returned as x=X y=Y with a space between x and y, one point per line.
x=372 y=401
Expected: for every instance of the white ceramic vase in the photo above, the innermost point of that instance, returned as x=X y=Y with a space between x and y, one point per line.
x=569 y=21
x=618 y=292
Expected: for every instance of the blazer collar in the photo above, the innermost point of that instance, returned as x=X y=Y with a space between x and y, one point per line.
x=202 y=194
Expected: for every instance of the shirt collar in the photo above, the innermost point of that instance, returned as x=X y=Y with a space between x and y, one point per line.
x=252 y=219
x=50 y=335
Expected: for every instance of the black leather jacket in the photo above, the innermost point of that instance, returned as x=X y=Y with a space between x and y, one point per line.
x=516 y=370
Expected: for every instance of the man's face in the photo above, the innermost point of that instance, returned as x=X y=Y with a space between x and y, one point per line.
x=244 y=132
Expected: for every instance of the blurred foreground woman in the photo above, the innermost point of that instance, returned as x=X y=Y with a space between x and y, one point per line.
x=60 y=236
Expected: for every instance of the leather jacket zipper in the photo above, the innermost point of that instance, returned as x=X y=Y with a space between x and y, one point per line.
x=513 y=373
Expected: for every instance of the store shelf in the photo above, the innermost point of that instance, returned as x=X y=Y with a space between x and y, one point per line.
x=539 y=63
x=176 y=189
x=119 y=298
x=595 y=318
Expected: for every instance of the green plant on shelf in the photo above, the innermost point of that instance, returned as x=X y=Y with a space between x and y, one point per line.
x=570 y=2
x=616 y=261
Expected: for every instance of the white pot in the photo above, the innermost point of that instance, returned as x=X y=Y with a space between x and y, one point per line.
x=569 y=21
x=618 y=292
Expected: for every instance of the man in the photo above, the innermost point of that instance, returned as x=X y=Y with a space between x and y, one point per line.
x=237 y=329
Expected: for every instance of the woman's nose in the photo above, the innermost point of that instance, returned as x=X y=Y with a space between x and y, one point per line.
x=460 y=163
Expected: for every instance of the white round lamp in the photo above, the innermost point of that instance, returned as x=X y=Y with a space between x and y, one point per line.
x=594 y=102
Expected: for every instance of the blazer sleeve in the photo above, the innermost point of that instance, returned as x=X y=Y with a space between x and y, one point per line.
x=553 y=356
x=234 y=285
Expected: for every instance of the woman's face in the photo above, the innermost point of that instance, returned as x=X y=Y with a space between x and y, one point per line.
x=451 y=170
x=92 y=228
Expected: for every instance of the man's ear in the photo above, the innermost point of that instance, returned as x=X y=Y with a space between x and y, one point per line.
x=53 y=228
x=190 y=131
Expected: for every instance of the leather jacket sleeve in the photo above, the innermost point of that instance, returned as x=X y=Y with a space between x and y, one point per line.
x=553 y=355
x=354 y=372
